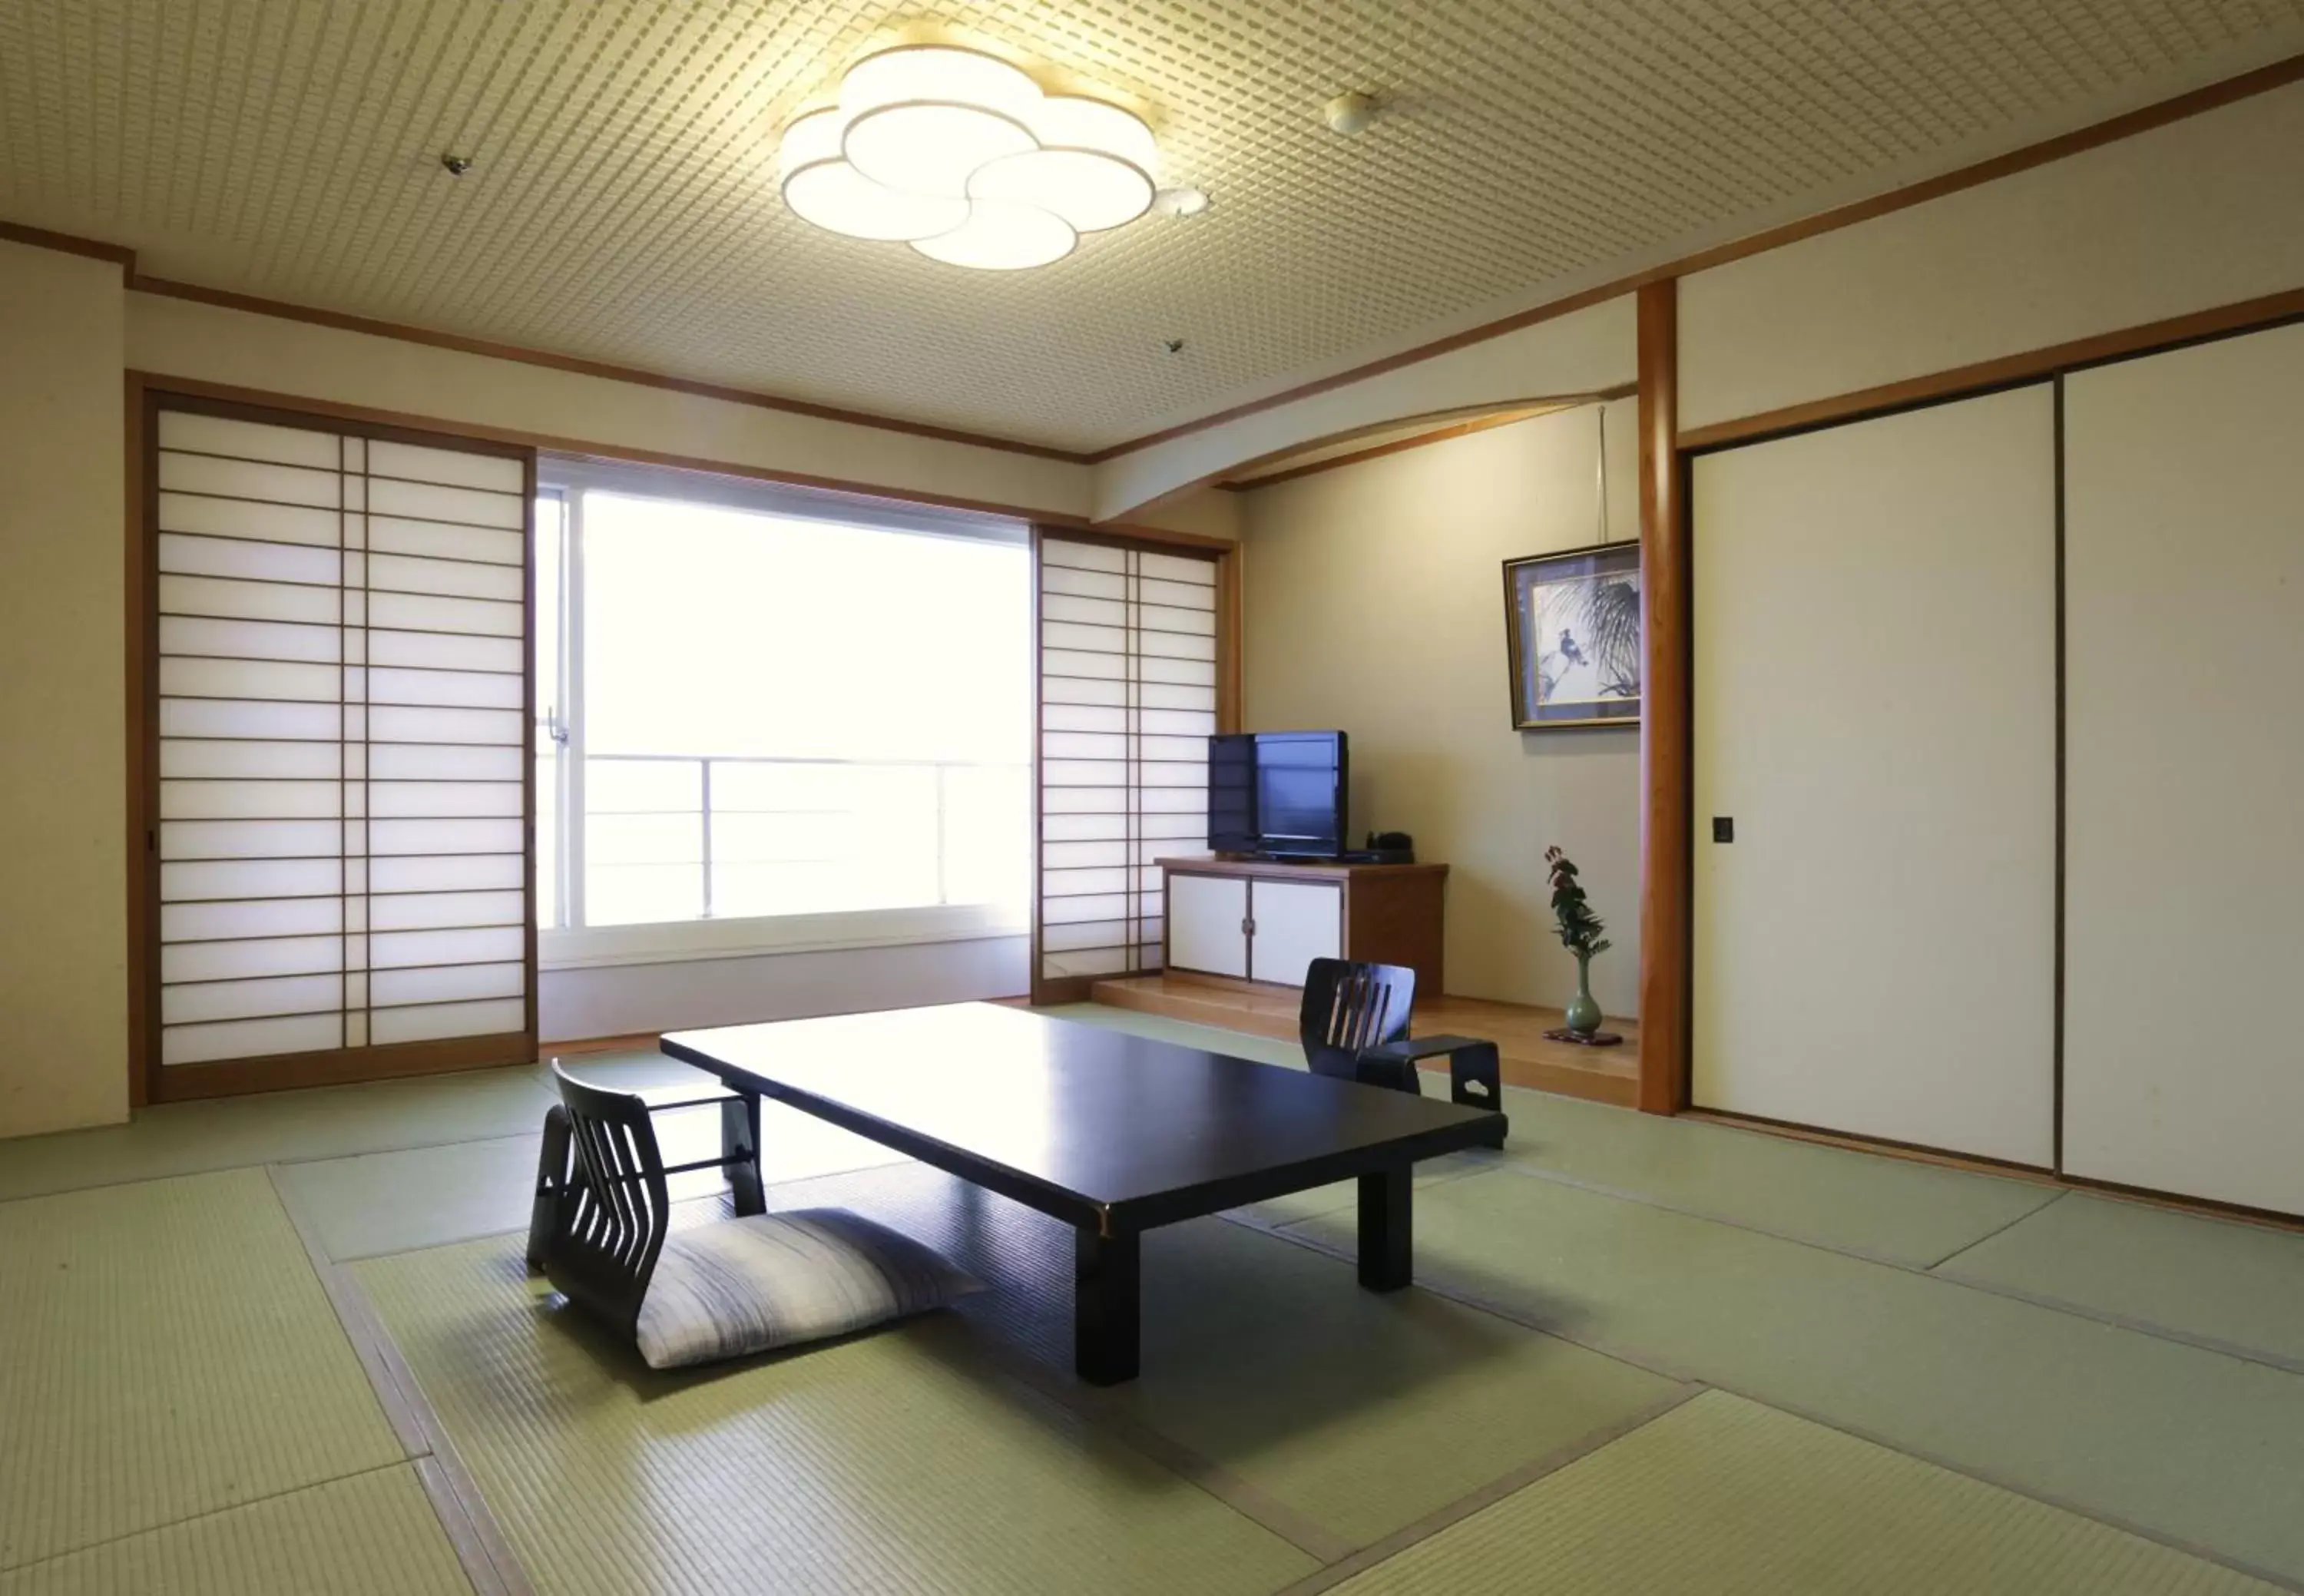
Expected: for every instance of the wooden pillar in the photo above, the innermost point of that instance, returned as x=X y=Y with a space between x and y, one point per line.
x=1665 y=729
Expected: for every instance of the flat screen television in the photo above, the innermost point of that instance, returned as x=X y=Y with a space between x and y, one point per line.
x=1280 y=794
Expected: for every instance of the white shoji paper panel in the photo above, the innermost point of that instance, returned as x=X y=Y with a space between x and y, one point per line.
x=343 y=741
x=1128 y=699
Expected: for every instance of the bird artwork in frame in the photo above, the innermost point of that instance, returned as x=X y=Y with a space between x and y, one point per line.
x=1572 y=625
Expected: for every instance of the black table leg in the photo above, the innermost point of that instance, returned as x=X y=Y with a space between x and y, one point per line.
x=1105 y=1306
x=1386 y=1237
x=740 y=1144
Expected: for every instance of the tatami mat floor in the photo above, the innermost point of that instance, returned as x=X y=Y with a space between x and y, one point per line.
x=1645 y=1357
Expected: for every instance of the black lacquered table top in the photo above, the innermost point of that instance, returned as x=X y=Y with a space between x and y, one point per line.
x=1067 y=1116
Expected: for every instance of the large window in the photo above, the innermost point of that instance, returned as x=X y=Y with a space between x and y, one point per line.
x=774 y=717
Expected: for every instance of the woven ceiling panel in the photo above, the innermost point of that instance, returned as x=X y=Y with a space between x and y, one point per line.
x=623 y=205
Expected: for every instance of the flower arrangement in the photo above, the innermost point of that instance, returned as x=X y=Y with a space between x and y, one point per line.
x=1582 y=932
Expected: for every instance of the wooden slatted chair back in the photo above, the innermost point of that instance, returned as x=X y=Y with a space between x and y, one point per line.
x=1350 y=1007
x=616 y=1211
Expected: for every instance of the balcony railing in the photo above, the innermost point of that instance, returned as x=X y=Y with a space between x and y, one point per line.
x=670 y=838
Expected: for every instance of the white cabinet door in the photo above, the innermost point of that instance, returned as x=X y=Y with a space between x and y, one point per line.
x=1296 y=922
x=1204 y=920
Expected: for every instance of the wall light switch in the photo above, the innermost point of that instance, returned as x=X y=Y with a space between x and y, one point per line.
x=1724 y=828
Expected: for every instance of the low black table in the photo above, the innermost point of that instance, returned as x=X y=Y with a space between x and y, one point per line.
x=1110 y=1133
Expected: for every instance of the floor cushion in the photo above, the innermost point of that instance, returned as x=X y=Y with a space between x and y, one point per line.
x=770 y=1280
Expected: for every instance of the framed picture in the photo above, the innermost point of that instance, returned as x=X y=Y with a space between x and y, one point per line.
x=1572 y=622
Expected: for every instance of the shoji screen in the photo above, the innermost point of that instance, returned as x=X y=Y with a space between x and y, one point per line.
x=1128 y=689
x=1875 y=678
x=341 y=776
x=2183 y=867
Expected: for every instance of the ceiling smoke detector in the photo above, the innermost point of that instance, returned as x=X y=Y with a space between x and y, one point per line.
x=1181 y=202
x=1350 y=113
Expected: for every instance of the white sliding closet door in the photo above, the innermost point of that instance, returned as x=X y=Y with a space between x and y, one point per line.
x=2184 y=883
x=1874 y=709
x=1128 y=701
x=342 y=720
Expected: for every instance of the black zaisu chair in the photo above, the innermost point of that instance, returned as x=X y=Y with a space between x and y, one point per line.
x=1354 y=1027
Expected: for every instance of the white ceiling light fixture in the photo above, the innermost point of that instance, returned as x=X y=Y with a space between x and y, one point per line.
x=967 y=159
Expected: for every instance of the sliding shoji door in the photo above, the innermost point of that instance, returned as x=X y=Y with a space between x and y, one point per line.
x=1128 y=696
x=2183 y=867
x=341 y=813
x=1876 y=725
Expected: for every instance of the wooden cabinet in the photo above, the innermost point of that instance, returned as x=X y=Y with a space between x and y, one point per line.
x=1265 y=922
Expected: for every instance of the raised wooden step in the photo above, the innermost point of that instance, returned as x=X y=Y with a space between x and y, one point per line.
x=1530 y=1058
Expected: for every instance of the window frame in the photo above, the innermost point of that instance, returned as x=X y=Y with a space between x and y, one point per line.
x=572 y=944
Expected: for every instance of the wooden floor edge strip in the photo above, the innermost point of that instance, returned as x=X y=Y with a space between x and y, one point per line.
x=1489 y=1495
x=481 y=1550
x=506 y=1575
x=1667 y=1367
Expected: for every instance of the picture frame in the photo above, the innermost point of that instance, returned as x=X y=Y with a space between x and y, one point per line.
x=1572 y=634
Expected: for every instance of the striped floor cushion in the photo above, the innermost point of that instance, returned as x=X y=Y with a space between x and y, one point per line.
x=750 y=1285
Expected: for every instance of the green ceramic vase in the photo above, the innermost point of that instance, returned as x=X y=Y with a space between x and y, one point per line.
x=1583 y=1013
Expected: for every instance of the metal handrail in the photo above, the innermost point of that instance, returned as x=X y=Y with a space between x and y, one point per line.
x=706 y=809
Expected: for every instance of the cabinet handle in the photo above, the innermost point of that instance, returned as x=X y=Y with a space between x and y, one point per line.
x=1247 y=928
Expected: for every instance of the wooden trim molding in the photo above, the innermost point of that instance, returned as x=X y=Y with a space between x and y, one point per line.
x=40 y=238
x=1666 y=728
x=287 y=1072
x=2279 y=74
x=2031 y=365
x=141 y=627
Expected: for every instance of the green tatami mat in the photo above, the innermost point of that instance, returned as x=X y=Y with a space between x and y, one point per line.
x=1893 y=1208
x=1725 y=1497
x=2202 y=1448
x=1356 y=1412
x=373 y=1534
x=2220 y=1280
x=890 y=1462
x=1238 y=1044
x=324 y=1122
x=1898 y=1209
x=425 y=1197
x=165 y=1350
x=380 y=1203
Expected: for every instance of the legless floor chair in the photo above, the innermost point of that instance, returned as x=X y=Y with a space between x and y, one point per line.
x=1354 y=1026
x=605 y=1239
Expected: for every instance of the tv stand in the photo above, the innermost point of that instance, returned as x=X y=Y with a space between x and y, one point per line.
x=1265 y=920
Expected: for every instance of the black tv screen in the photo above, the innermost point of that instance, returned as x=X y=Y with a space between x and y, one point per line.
x=1300 y=792
x=1232 y=793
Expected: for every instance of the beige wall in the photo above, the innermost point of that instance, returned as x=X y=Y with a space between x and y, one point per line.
x=1375 y=602
x=2204 y=212
x=63 y=886
x=1211 y=513
x=1589 y=351
x=183 y=338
